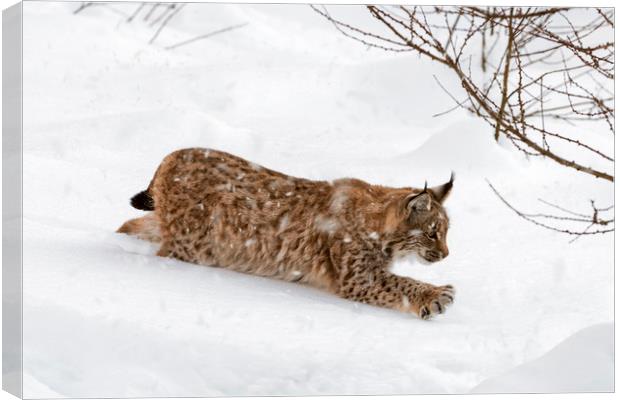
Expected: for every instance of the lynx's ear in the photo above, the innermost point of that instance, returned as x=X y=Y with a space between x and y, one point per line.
x=441 y=192
x=419 y=202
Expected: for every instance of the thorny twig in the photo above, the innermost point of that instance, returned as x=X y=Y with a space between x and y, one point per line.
x=605 y=225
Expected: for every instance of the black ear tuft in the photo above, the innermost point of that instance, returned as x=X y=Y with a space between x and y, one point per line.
x=441 y=192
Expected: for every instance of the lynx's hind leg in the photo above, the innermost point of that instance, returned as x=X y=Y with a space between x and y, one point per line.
x=145 y=228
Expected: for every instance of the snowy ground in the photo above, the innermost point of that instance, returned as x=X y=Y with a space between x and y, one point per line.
x=104 y=317
x=583 y=362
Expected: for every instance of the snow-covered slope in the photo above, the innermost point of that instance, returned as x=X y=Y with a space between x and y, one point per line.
x=582 y=363
x=104 y=317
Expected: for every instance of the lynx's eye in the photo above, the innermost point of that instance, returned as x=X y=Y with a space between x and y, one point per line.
x=432 y=233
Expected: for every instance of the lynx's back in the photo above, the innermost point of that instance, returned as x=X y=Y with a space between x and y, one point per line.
x=218 y=209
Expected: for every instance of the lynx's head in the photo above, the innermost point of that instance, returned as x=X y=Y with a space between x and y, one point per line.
x=423 y=228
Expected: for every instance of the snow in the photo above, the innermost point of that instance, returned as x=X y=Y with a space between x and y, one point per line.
x=105 y=317
x=339 y=199
x=283 y=223
x=326 y=224
x=582 y=363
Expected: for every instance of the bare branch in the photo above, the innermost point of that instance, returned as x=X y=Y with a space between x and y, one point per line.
x=594 y=220
x=85 y=4
x=550 y=70
x=207 y=35
x=135 y=13
x=174 y=12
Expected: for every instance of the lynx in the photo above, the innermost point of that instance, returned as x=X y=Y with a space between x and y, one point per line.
x=212 y=208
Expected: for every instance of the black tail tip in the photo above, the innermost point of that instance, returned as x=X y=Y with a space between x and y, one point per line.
x=143 y=201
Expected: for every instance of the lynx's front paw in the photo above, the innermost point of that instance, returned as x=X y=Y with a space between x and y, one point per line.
x=436 y=300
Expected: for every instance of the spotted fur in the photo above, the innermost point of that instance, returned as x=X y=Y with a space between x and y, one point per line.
x=213 y=208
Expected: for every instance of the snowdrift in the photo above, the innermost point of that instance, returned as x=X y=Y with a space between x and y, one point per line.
x=582 y=363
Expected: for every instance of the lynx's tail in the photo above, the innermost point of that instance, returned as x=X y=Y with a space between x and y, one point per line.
x=143 y=201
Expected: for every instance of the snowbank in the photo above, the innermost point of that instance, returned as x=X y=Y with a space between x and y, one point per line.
x=582 y=363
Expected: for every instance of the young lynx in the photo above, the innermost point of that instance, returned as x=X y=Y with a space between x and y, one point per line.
x=212 y=208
